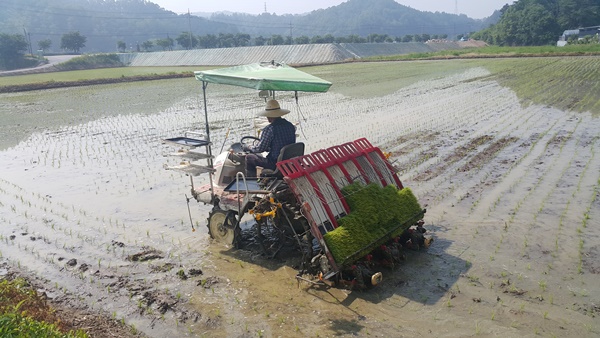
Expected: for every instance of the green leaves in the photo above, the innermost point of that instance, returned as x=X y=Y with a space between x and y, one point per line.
x=539 y=22
x=24 y=314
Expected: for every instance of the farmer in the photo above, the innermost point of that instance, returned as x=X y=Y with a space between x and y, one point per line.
x=279 y=133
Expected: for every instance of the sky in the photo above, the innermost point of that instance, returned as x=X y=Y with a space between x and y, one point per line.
x=476 y=9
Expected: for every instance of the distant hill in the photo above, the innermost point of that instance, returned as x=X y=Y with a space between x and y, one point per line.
x=359 y=17
x=104 y=23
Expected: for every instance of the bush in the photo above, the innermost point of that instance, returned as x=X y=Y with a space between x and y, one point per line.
x=91 y=62
x=23 y=313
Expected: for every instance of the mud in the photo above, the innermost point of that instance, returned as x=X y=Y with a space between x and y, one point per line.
x=510 y=190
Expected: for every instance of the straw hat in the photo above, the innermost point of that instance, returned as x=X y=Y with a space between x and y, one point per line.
x=273 y=110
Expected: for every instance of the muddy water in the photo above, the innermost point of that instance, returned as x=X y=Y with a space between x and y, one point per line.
x=511 y=194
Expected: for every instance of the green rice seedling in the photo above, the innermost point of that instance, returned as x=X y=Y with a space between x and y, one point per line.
x=365 y=225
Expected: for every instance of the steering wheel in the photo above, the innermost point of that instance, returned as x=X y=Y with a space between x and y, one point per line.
x=249 y=141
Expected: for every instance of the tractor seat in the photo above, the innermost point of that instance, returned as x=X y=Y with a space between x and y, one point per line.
x=287 y=152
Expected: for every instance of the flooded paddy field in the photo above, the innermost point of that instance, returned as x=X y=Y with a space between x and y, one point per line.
x=511 y=192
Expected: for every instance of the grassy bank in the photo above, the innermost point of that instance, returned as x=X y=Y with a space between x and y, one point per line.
x=25 y=313
x=91 y=74
x=496 y=51
x=89 y=82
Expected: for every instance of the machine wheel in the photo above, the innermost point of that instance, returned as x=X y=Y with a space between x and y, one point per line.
x=223 y=227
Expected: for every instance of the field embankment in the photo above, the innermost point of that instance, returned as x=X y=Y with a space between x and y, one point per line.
x=474 y=52
x=89 y=82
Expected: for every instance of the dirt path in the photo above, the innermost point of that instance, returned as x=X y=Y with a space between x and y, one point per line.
x=52 y=61
x=511 y=193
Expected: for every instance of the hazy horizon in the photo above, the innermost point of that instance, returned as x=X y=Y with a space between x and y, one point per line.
x=475 y=9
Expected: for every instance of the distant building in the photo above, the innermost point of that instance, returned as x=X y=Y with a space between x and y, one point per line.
x=577 y=33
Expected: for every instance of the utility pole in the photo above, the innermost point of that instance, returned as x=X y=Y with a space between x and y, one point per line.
x=28 y=38
x=190 y=27
x=265 y=6
x=291 y=35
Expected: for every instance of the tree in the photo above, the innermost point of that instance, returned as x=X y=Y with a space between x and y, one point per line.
x=187 y=40
x=328 y=38
x=302 y=40
x=121 y=46
x=166 y=43
x=260 y=41
x=147 y=45
x=379 y=38
x=72 y=41
x=353 y=38
x=209 y=41
x=12 y=48
x=316 y=39
x=539 y=22
x=242 y=39
x=276 y=40
x=226 y=40
x=577 y=13
x=45 y=44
